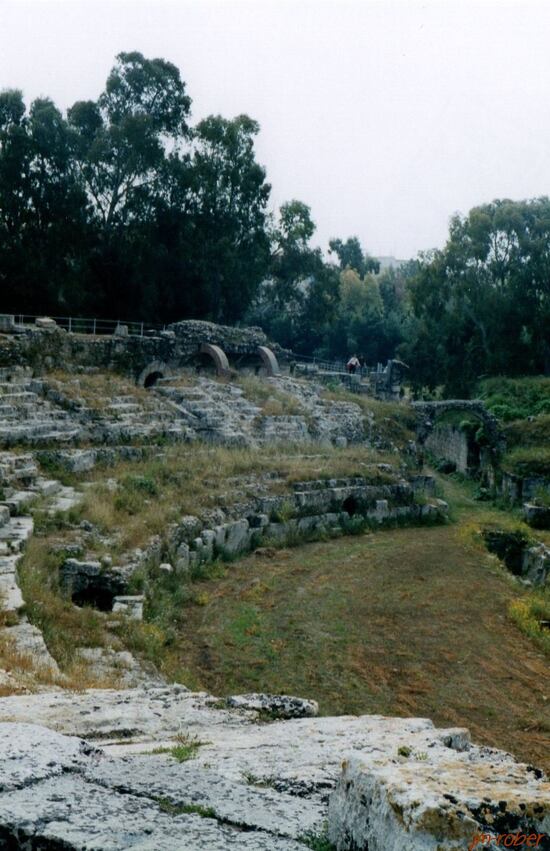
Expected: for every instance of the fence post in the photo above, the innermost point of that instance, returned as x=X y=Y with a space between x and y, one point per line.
x=95 y=320
x=70 y=324
x=142 y=329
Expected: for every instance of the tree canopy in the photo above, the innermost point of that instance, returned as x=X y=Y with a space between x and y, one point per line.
x=123 y=208
x=482 y=304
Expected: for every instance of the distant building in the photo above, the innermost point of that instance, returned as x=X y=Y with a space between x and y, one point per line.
x=389 y=262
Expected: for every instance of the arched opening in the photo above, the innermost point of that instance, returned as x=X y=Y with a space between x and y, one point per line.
x=217 y=356
x=151 y=373
x=152 y=378
x=350 y=505
x=203 y=365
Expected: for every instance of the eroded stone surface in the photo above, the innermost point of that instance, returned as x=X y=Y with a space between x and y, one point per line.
x=439 y=802
x=278 y=705
x=393 y=783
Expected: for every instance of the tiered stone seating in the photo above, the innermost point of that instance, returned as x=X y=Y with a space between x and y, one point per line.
x=27 y=418
x=217 y=412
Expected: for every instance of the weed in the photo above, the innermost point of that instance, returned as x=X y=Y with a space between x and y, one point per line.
x=167 y=806
x=529 y=613
x=254 y=780
x=317 y=841
x=186 y=747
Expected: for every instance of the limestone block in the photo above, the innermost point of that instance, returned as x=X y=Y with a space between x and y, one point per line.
x=182 y=558
x=7 y=323
x=29 y=641
x=276 y=531
x=238 y=536
x=91 y=582
x=45 y=322
x=277 y=705
x=258 y=521
x=130 y=605
x=429 y=804
x=382 y=510
x=208 y=537
x=535 y=564
x=189 y=527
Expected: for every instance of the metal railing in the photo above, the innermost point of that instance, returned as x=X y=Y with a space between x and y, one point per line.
x=94 y=326
x=339 y=366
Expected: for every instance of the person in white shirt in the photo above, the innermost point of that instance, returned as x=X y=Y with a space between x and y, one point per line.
x=353 y=364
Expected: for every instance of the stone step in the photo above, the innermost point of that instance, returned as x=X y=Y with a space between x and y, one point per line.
x=20 y=500
x=47 y=487
x=11 y=599
x=65 y=499
x=16 y=532
x=125 y=407
x=29 y=642
x=16 y=395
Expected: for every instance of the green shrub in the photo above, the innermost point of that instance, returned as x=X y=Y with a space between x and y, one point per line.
x=528 y=461
x=516 y=398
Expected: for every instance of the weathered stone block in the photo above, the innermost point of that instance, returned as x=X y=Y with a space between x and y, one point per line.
x=129 y=605
x=45 y=322
x=277 y=705
x=7 y=323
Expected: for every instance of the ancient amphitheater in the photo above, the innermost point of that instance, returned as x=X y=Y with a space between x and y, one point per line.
x=99 y=747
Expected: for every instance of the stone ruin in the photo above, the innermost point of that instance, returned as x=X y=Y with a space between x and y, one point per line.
x=95 y=769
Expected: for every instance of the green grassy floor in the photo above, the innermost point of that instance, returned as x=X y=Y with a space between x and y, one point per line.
x=404 y=622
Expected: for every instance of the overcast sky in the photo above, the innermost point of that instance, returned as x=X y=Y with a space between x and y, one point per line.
x=384 y=117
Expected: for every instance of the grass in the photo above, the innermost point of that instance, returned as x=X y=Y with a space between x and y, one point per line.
x=526 y=433
x=150 y=494
x=528 y=612
x=172 y=809
x=186 y=748
x=272 y=401
x=316 y=841
x=97 y=390
x=528 y=460
x=404 y=622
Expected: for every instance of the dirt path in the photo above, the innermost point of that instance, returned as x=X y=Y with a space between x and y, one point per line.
x=402 y=622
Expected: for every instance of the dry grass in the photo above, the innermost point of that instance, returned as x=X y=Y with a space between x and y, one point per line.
x=64 y=627
x=97 y=390
x=26 y=675
x=273 y=401
x=153 y=493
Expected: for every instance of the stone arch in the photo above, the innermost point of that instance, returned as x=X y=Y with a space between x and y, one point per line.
x=218 y=356
x=428 y=412
x=269 y=360
x=149 y=376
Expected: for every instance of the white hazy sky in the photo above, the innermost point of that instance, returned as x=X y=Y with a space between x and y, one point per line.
x=384 y=117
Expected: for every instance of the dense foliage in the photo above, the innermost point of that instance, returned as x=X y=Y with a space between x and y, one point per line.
x=123 y=209
x=482 y=304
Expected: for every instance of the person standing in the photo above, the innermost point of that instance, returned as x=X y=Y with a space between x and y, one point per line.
x=353 y=364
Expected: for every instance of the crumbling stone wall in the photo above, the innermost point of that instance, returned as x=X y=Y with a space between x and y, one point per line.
x=452 y=444
x=48 y=348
